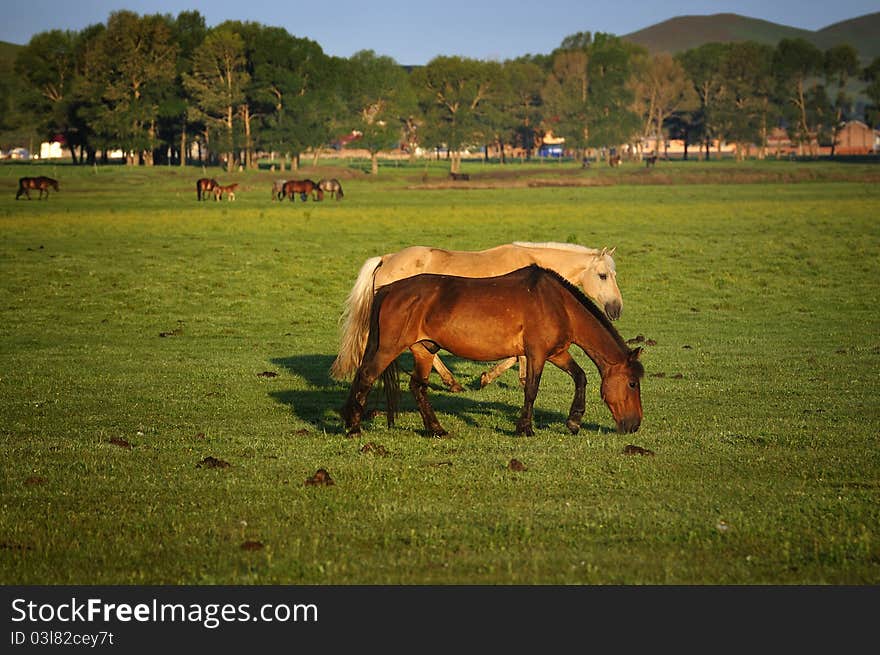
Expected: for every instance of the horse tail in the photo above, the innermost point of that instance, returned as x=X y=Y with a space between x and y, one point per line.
x=355 y=322
x=391 y=384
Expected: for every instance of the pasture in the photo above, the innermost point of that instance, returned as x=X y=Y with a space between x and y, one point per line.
x=165 y=396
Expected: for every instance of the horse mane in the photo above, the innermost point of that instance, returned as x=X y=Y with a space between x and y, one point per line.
x=573 y=247
x=588 y=304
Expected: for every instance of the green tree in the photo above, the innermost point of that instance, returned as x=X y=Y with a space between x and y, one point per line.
x=133 y=68
x=380 y=100
x=703 y=66
x=747 y=105
x=841 y=63
x=871 y=76
x=661 y=89
x=587 y=94
x=451 y=93
x=46 y=67
x=521 y=106
x=795 y=63
x=216 y=85
x=188 y=32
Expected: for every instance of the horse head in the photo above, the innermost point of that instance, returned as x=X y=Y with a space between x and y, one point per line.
x=599 y=282
x=622 y=393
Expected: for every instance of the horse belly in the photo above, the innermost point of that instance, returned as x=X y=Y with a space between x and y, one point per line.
x=467 y=330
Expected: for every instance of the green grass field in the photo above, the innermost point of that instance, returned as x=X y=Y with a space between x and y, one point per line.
x=137 y=326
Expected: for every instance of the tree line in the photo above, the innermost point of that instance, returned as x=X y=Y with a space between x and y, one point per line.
x=154 y=85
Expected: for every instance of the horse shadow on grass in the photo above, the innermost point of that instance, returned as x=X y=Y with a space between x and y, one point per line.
x=320 y=404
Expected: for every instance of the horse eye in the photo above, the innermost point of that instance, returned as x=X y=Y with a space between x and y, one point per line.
x=603 y=276
x=632 y=384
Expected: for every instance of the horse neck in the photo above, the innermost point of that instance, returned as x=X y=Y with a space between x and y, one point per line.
x=595 y=336
x=569 y=264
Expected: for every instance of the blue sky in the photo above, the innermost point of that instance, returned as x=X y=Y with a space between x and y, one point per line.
x=415 y=31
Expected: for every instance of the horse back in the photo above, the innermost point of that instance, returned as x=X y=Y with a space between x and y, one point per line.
x=416 y=260
x=475 y=318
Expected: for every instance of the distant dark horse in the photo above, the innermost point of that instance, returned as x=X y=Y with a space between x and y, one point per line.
x=41 y=183
x=304 y=188
x=204 y=187
x=650 y=160
x=460 y=177
x=331 y=186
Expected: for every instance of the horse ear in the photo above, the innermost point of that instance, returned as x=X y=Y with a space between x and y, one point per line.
x=635 y=353
x=604 y=251
x=611 y=252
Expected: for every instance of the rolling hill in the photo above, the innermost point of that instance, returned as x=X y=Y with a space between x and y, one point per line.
x=685 y=32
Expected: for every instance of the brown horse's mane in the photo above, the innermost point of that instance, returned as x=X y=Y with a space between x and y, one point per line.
x=588 y=304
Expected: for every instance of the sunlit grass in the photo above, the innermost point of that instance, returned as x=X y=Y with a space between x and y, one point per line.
x=760 y=395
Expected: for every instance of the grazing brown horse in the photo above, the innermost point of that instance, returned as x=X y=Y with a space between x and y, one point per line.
x=532 y=311
x=204 y=187
x=41 y=183
x=229 y=190
x=304 y=188
x=331 y=186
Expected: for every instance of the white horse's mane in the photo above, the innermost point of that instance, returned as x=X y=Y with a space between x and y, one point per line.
x=571 y=247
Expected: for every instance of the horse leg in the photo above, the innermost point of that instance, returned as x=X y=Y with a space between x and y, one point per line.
x=446 y=375
x=533 y=378
x=522 y=370
x=418 y=384
x=488 y=377
x=566 y=362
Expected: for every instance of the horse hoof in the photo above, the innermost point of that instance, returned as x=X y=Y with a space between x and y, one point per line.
x=484 y=380
x=456 y=388
x=438 y=432
x=354 y=432
x=573 y=427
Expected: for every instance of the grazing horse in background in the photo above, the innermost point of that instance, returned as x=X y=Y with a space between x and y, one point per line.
x=650 y=160
x=591 y=269
x=460 y=177
x=41 y=183
x=304 y=188
x=229 y=190
x=331 y=186
x=614 y=161
x=532 y=312
x=204 y=187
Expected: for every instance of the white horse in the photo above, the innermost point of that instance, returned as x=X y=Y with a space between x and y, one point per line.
x=592 y=270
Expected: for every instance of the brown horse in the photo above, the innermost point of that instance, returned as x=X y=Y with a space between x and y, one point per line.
x=204 y=187
x=41 y=183
x=229 y=190
x=532 y=311
x=304 y=188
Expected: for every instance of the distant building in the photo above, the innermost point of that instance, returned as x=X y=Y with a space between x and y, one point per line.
x=856 y=138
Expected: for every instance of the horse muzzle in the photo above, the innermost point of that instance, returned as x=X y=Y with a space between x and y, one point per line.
x=628 y=425
x=613 y=309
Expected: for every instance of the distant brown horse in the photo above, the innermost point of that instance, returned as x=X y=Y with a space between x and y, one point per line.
x=229 y=190
x=532 y=311
x=204 y=187
x=304 y=188
x=41 y=183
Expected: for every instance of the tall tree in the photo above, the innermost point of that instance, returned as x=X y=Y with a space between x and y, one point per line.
x=133 y=67
x=748 y=102
x=661 y=89
x=46 y=67
x=523 y=103
x=795 y=63
x=841 y=62
x=704 y=68
x=451 y=92
x=871 y=76
x=380 y=100
x=188 y=31
x=217 y=85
